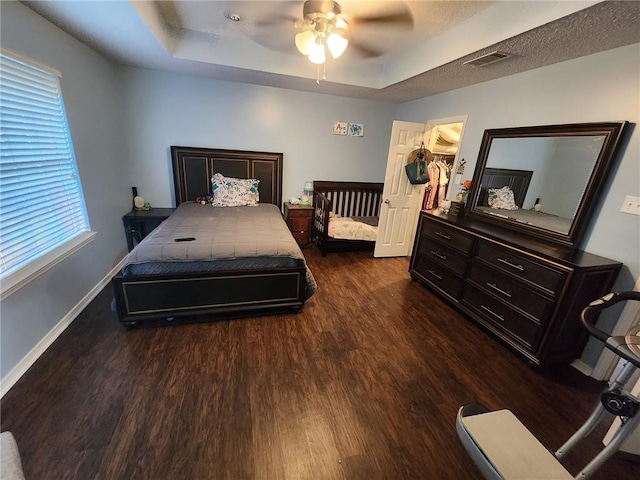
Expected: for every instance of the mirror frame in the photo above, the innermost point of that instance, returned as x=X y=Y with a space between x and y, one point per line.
x=613 y=133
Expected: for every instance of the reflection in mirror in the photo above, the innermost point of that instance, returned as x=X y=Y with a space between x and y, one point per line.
x=544 y=180
x=555 y=172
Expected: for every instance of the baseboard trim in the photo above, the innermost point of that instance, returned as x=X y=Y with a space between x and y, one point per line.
x=30 y=358
x=582 y=367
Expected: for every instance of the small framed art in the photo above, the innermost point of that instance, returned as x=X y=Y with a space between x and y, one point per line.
x=356 y=130
x=340 y=127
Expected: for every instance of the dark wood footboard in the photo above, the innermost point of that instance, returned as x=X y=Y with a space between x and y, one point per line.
x=153 y=297
x=347 y=199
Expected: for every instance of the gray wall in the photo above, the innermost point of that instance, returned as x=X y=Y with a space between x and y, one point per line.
x=165 y=109
x=595 y=88
x=90 y=89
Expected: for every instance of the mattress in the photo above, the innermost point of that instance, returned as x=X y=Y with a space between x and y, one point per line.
x=354 y=228
x=220 y=238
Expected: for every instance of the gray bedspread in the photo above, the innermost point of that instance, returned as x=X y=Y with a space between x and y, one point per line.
x=225 y=237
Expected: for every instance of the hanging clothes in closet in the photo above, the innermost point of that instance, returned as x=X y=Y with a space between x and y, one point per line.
x=439 y=174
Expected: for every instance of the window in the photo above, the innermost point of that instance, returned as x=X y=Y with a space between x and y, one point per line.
x=43 y=217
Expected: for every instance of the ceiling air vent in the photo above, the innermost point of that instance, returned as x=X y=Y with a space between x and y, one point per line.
x=488 y=59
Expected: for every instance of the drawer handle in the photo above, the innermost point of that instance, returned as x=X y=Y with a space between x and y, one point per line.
x=512 y=265
x=497 y=289
x=446 y=237
x=439 y=255
x=499 y=317
x=439 y=277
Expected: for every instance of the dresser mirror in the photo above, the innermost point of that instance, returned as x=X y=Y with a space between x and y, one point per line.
x=544 y=180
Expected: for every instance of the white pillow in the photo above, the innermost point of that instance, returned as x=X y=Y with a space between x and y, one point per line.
x=234 y=192
x=501 y=198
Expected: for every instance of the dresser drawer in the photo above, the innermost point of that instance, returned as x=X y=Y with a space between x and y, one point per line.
x=448 y=257
x=511 y=291
x=516 y=325
x=545 y=276
x=438 y=275
x=448 y=236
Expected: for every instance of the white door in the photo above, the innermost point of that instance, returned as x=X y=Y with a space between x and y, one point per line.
x=401 y=201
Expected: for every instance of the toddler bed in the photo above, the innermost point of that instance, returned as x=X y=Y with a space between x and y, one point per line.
x=208 y=259
x=346 y=215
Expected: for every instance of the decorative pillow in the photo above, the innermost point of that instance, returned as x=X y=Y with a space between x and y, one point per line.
x=234 y=192
x=501 y=198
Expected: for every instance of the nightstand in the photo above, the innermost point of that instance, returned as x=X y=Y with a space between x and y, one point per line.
x=299 y=218
x=139 y=223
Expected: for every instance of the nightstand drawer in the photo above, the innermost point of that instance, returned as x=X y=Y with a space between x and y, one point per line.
x=299 y=224
x=299 y=219
x=299 y=213
x=301 y=237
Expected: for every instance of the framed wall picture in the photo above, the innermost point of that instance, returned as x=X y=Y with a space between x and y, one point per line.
x=356 y=130
x=340 y=127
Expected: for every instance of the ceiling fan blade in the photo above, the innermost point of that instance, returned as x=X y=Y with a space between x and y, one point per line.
x=363 y=50
x=400 y=19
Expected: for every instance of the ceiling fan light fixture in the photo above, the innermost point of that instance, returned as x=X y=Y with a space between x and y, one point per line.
x=304 y=41
x=324 y=29
x=316 y=53
x=341 y=24
x=336 y=44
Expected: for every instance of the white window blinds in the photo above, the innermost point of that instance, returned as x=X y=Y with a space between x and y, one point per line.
x=41 y=201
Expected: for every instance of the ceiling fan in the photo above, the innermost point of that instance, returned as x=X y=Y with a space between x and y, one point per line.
x=324 y=30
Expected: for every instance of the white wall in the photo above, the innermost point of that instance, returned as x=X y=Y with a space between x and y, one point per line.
x=92 y=100
x=595 y=88
x=165 y=109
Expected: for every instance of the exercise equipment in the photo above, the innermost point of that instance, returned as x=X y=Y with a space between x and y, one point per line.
x=503 y=448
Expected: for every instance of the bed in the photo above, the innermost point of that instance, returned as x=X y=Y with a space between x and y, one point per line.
x=517 y=182
x=345 y=215
x=242 y=259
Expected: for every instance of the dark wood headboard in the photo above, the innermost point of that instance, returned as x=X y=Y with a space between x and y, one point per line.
x=517 y=180
x=194 y=167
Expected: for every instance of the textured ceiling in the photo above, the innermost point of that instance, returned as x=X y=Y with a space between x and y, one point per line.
x=602 y=27
x=194 y=37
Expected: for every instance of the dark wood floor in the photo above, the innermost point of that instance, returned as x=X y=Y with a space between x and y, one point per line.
x=364 y=383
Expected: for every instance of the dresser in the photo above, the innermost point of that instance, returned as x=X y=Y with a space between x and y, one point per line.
x=299 y=218
x=527 y=293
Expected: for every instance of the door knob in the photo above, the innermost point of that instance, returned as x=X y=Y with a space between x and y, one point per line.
x=387 y=202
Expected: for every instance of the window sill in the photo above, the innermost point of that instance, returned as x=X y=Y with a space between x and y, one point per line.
x=18 y=279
